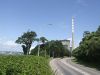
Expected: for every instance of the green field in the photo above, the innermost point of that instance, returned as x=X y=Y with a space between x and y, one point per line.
x=24 y=65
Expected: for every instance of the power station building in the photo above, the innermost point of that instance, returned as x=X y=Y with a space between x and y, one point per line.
x=66 y=44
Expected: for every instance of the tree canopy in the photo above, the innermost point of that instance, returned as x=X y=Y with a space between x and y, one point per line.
x=43 y=39
x=53 y=49
x=89 y=48
x=26 y=40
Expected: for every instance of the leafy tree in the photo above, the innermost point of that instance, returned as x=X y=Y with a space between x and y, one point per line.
x=86 y=33
x=89 y=48
x=54 y=49
x=43 y=40
x=26 y=40
x=57 y=49
x=98 y=30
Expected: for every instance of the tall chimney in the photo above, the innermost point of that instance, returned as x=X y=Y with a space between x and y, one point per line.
x=72 y=33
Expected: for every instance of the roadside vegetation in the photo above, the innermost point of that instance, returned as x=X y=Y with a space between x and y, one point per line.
x=52 y=48
x=35 y=61
x=24 y=65
x=89 y=48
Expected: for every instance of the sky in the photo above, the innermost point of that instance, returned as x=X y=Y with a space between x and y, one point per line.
x=48 y=18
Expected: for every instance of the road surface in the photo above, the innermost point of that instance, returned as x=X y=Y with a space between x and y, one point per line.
x=67 y=67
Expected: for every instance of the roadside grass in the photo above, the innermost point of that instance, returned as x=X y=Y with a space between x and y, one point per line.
x=24 y=65
x=95 y=65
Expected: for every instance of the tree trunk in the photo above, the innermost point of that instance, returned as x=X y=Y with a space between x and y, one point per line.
x=45 y=52
x=38 y=50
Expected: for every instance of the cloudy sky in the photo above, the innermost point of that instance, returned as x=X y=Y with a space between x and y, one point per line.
x=49 y=18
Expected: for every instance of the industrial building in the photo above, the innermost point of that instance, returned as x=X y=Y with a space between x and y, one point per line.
x=66 y=44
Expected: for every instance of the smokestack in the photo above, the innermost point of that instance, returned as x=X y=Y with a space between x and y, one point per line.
x=72 y=33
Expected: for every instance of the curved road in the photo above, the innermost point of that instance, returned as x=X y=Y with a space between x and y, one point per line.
x=67 y=67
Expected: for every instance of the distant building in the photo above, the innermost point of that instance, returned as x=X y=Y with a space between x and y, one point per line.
x=71 y=48
x=66 y=44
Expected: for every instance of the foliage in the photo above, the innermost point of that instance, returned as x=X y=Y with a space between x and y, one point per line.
x=86 y=33
x=24 y=65
x=53 y=49
x=26 y=40
x=89 y=48
x=43 y=39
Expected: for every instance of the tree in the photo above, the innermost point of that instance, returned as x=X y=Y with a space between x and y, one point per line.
x=98 y=30
x=57 y=49
x=86 y=33
x=89 y=48
x=43 y=40
x=26 y=40
x=54 y=49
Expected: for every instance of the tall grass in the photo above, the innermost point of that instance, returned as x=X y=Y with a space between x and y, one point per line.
x=24 y=65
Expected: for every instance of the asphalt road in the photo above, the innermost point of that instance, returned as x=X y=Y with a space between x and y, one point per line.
x=67 y=67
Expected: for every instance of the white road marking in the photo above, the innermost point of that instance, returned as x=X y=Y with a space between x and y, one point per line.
x=76 y=69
